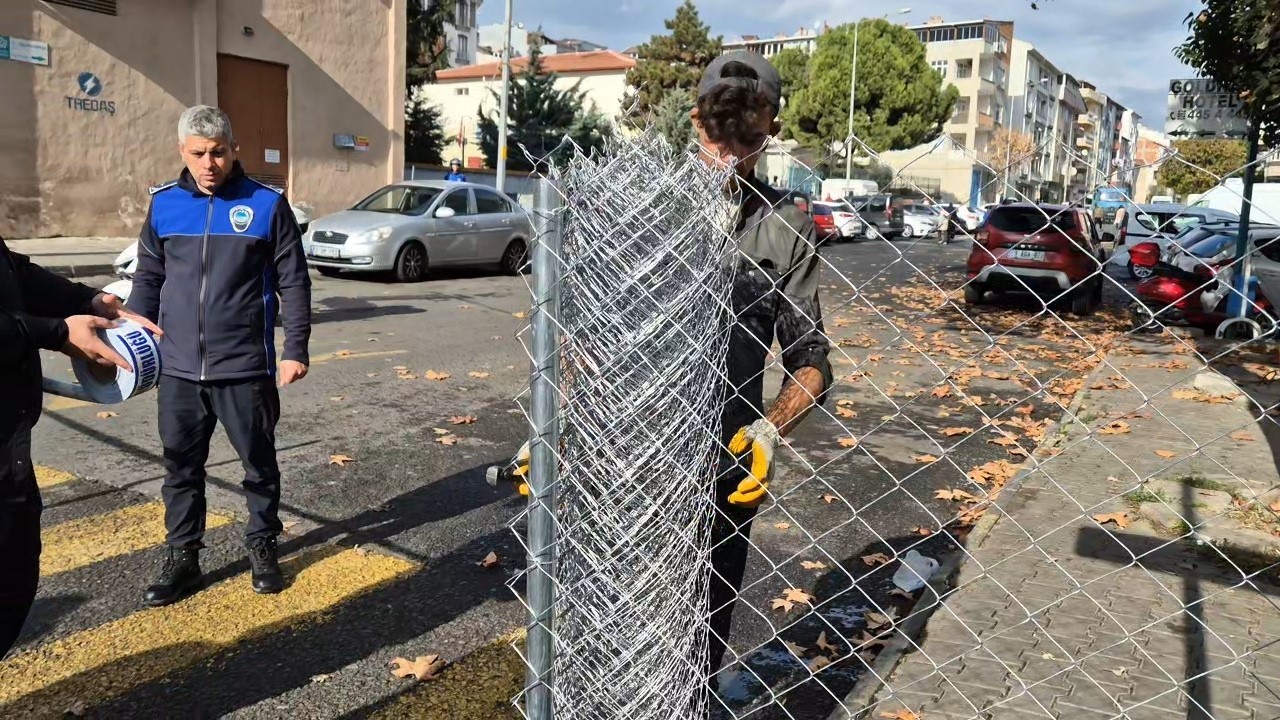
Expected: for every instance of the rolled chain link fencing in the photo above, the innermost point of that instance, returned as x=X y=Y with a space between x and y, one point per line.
x=1008 y=504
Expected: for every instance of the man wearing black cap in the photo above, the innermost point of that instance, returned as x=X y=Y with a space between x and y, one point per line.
x=775 y=296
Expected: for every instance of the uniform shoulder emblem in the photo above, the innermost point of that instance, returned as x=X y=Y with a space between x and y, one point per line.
x=162 y=186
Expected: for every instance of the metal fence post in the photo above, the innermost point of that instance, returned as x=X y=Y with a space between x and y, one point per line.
x=544 y=468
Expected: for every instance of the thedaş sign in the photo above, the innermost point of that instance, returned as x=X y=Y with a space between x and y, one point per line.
x=90 y=87
x=1200 y=108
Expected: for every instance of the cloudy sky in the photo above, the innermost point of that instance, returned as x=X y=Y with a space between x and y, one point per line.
x=1125 y=47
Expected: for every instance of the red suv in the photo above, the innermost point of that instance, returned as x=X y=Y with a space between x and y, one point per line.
x=1051 y=250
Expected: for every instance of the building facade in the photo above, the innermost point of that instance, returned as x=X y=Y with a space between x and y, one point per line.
x=975 y=57
x=463 y=93
x=463 y=34
x=1038 y=91
x=805 y=39
x=1101 y=126
x=89 y=125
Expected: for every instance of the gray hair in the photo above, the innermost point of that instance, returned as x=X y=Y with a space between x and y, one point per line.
x=205 y=121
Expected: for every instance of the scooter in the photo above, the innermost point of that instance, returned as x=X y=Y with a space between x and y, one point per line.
x=1198 y=297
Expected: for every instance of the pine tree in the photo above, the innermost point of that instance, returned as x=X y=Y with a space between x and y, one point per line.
x=672 y=120
x=671 y=62
x=539 y=118
x=426 y=52
x=424 y=138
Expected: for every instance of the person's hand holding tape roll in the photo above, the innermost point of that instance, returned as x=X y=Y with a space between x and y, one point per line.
x=84 y=342
x=111 y=307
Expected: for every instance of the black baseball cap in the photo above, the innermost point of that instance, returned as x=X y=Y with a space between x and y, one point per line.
x=742 y=68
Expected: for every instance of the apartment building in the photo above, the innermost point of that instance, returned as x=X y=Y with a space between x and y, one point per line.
x=805 y=39
x=1102 y=123
x=463 y=93
x=463 y=34
x=974 y=56
x=1039 y=101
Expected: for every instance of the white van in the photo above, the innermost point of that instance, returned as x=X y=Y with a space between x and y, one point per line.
x=839 y=188
x=1229 y=196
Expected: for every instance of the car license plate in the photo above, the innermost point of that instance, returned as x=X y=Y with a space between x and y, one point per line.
x=1033 y=255
x=325 y=252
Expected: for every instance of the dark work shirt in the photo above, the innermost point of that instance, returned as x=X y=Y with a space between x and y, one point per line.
x=775 y=294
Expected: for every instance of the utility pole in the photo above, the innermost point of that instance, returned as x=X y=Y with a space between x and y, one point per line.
x=853 y=94
x=506 y=92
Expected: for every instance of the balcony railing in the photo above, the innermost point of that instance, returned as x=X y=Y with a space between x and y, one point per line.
x=986 y=121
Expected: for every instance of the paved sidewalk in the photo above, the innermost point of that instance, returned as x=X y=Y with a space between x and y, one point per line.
x=1059 y=615
x=73 y=257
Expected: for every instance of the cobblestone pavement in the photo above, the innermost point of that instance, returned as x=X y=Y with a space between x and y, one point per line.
x=1078 y=604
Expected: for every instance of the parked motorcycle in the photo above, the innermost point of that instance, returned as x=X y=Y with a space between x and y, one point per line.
x=1192 y=290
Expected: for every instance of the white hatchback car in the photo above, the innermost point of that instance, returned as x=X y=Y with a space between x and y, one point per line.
x=415 y=225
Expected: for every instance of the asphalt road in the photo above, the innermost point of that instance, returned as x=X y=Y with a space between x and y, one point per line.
x=387 y=547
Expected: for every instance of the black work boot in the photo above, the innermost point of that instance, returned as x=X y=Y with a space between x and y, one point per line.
x=179 y=576
x=267 y=578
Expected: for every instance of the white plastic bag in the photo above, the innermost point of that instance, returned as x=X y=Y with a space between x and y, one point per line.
x=914 y=572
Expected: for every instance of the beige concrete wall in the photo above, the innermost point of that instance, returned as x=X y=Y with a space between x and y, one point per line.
x=952 y=168
x=82 y=172
x=346 y=75
x=74 y=172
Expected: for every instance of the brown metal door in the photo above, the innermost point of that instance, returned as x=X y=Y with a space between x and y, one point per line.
x=255 y=95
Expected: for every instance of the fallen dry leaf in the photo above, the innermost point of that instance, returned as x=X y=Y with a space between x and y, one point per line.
x=903 y=714
x=829 y=498
x=490 y=560
x=423 y=667
x=795 y=648
x=941 y=391
x=337 y=398
x=797 y=595
x=875 y=559
x=1025 y=409
x=1121 y=519
x=869 y=641
x=107 y=415
x=1117 y=427
x=288 y=525
x=439 y=431
x=824 y=645
x=957 y=495
x=848 y=442
x=1166 y=454
x=875 y=620
x=782 y=525
x=813 y=565
x=1049 y=656
x=342 y=353
x=322 y=677
x=782 y=604
x=478 y=375
x=520 y=315
x=400 y=368
x=921 y=530
x=901 y=593
x=845 y=412
x=926 y=458
x=953 y=431
x=817 y=663
x=462 y=419
x=1242 y=436
x=340 y=460
x=448 y=440
x=433 y=375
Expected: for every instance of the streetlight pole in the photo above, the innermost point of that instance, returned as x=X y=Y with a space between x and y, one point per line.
x=502 y=113
x=853 y=95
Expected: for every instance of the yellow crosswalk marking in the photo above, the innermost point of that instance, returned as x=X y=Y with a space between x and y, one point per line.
x=353 y=355
x=84 y=541
x=57 y=403
x=47 y=477
x=95 y=665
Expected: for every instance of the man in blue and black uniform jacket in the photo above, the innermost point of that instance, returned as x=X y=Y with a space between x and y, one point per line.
x=218 y=253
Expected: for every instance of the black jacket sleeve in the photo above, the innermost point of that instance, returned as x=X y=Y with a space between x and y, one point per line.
x=144 y=299
x=48 y=299
x=293 y=283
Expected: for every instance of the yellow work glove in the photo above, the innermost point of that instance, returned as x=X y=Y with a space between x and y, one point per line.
x=515 y=471
x=760 y=437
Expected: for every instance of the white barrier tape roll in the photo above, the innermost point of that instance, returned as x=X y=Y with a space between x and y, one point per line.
x=109 y=385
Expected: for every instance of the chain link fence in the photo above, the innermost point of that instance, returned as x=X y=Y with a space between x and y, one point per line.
x=1019 y=458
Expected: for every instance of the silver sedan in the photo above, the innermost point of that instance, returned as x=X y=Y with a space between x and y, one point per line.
x=415 y=225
